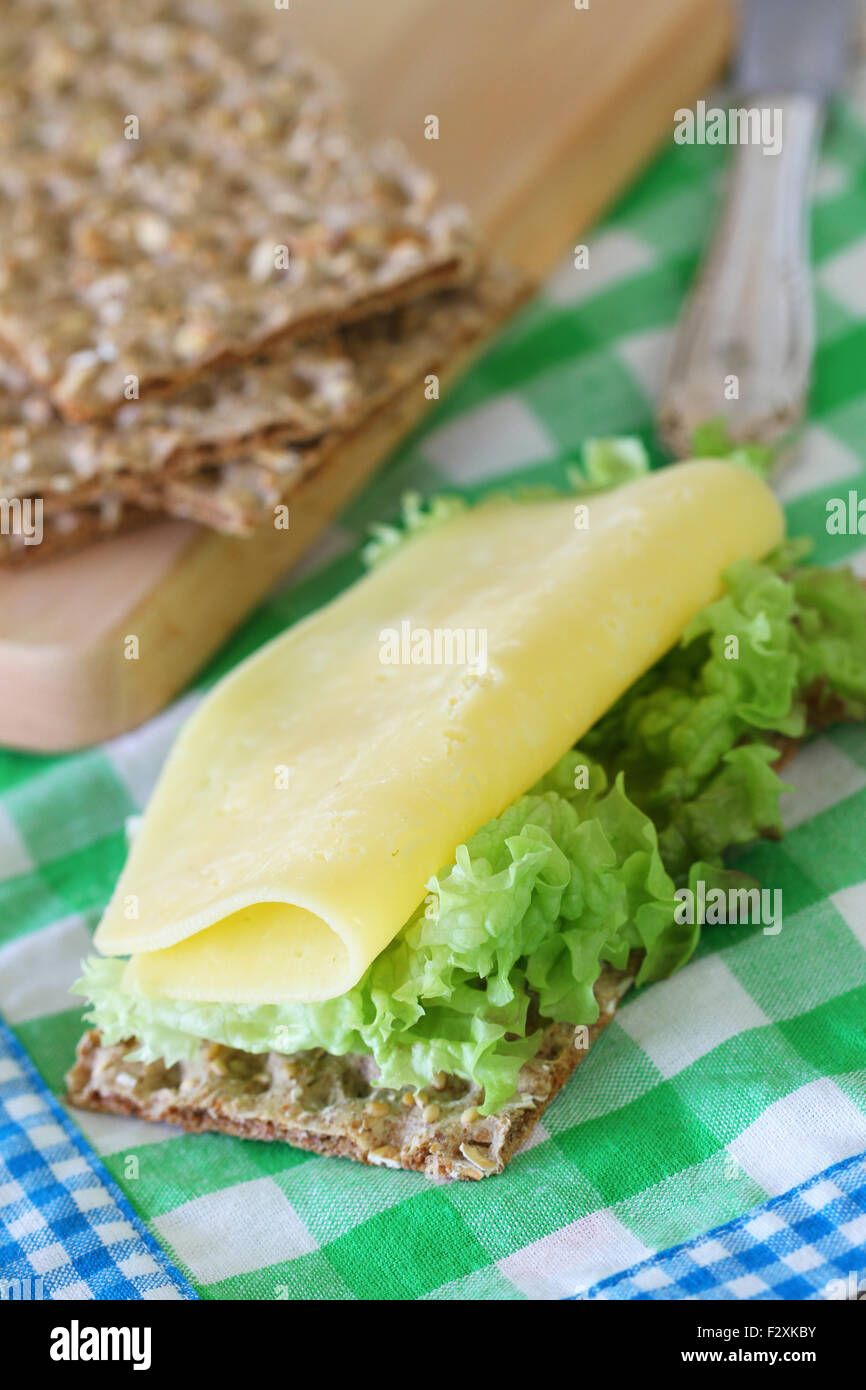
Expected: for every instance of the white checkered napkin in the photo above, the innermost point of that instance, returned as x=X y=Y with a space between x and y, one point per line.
x=66 y=1232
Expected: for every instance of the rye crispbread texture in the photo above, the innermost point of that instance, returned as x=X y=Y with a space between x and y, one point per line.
x=232 y=483
x=155 y=159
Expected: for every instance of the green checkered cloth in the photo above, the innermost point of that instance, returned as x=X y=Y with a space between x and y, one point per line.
x=740 y=1077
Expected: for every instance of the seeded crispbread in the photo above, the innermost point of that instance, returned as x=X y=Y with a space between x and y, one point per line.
x=239 y=493
x=232 y=484
x=297 y=392
x=294 y=393
x=332 y=1105
x=141 y=220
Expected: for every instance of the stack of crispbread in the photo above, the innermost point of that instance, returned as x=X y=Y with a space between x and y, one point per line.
x=208 y=279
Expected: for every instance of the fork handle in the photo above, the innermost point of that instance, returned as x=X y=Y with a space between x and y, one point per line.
x=743 y=347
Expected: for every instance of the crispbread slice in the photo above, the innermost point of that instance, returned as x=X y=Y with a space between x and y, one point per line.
x=295 y=391
x=293 y=394
x=239 y=493
x=233 y=487
x=142 y=220
x=332 y=1104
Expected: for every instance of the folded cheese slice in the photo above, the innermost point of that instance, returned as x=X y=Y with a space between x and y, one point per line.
x=321 y=784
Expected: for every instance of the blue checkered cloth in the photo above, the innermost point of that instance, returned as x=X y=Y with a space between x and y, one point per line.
x=810 y=1243
x=66 y=1230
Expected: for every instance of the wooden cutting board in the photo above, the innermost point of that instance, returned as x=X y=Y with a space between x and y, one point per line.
x=545 y=111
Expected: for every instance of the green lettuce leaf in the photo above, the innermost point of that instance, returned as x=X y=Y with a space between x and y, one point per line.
x=829 y=640
x=417 y=517
x=712 y=440
x=609 y=462
x=781 y=653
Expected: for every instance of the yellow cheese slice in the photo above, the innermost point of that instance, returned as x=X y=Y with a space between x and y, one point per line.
x=319 y=786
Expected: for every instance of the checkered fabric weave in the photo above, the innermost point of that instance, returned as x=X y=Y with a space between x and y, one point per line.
x=808 y=1244
x=740 y=1078
x=66 y=1232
